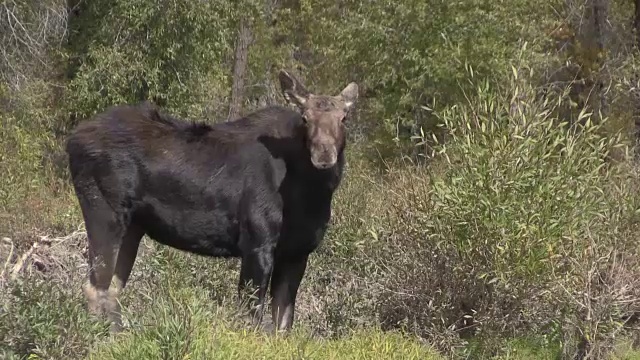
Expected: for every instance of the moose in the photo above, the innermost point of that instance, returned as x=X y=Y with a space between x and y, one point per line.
x=258 y=188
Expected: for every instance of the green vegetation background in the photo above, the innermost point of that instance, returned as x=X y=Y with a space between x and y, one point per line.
x=489 y=207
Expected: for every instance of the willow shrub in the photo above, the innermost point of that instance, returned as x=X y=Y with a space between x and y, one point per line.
x=523 y=223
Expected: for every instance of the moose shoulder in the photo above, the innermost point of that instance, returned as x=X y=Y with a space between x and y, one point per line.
x=259 y=188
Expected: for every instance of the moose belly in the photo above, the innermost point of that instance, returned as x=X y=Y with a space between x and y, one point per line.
x=208 y=233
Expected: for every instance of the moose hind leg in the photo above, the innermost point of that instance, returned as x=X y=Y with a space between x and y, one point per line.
x=127 y=256
x=287 y=275
x=124 y=264
x=105 y=230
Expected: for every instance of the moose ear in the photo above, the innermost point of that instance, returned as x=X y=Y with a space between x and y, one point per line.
x=294 y=92
x=350 y=95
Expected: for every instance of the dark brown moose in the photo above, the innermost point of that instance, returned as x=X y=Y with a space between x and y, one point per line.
x=259 y=188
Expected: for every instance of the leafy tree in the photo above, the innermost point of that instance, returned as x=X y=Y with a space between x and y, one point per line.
x=409 y=54
x=175 y=52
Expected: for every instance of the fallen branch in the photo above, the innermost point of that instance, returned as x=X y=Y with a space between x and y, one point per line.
x=6 y=263
x=20 y=264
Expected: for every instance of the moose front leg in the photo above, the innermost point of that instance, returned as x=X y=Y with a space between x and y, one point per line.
x=287 y=275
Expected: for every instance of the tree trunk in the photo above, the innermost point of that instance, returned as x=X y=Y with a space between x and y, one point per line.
x=636 y=23
x=636 y=98
x=600 y=10
x=272 y=92
x=601 y=32
x=243 y=42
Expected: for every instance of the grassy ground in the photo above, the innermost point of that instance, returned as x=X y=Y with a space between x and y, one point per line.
x=185 y=325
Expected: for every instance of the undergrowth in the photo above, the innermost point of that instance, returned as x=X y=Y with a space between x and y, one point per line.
x=527 y=227
x=183 y=324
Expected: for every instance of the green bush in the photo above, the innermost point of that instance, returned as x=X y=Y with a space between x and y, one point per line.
x=509 y=199
x=34 y=195
x=525 y=223
x=137 y=50
x=39 y=319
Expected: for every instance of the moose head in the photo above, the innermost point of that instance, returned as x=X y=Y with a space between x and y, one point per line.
x=324 y=118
